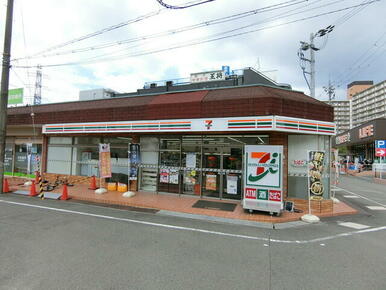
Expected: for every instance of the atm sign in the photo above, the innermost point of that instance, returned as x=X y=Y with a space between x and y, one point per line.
x=250 y=193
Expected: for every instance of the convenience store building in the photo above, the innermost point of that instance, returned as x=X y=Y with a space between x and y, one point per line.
x=191 y=142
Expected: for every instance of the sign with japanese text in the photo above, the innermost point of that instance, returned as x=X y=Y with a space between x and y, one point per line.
x=207 y=76
x=133 y=160
x=263 y=177
x=315 y=171
x=15 y=96
x=104 y=161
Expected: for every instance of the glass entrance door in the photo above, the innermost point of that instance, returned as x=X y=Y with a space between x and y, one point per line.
x=211 y=171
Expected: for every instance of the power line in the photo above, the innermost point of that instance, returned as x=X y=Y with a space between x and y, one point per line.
x=179 y=30
x=182 y=7
x=197 y=42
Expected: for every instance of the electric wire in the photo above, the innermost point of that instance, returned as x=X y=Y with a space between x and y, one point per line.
x=216 y=21
x=182 y=7
x=193 y=43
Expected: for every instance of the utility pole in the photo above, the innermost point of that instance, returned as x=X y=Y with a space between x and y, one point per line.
x=310 y=46
x=330 y=90
x=312 y=65
x=38 y=86
x=4 y=87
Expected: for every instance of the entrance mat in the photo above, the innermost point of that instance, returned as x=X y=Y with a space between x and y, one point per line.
x=215 y=205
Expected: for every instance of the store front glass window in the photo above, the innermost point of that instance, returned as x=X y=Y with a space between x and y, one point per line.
x=298 y=146
x=149 y=147
x=170 y=161
x=191 y=164
x=27 y=157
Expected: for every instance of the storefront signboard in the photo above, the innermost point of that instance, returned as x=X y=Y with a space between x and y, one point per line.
x=207 y=76
x=133 y=160
x=315 y=171
x=15 y=96
x=104 y=161
x=263 y=178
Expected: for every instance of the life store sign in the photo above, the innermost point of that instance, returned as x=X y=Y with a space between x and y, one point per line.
x=263 y=174
x=315 y=172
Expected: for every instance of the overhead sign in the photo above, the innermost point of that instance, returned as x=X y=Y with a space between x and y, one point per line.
x=263 y=178
x=380 y=144
x=209 y=76
x=15 y=96
x=380 y=152
x=366 y=131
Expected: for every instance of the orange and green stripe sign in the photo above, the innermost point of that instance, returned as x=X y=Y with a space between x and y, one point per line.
x=250 y=123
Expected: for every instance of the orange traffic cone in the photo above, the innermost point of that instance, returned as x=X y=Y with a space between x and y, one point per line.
x=5 y=186
x=32 y=191
x=93 y=183
x=64 y=195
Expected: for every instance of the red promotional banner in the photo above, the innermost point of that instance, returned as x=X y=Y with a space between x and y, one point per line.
x=104 y=161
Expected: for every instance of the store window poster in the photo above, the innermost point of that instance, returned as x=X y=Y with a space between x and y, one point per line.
x=211 y=182
x=164 y=176
x=173 y=176
x=232 y=184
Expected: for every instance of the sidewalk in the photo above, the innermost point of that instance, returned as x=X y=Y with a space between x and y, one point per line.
x=181 y=204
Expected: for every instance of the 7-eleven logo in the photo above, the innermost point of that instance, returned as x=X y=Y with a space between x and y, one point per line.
x=208 y=124
x=264 y=162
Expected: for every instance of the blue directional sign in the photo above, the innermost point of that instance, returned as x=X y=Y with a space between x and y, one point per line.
x=380 y=144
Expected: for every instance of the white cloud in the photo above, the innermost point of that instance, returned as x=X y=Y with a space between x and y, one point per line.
x=47 y=23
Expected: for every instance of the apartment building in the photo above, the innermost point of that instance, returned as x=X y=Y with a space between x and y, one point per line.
x=341 y=115
x=369 y=104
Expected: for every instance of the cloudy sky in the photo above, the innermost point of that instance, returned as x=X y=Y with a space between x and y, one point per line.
x=121 y=44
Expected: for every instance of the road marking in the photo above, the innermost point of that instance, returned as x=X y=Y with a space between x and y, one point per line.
x=196 y=229
x=375 y=207
x=351 y=196
x=353 y=225
x=353 y=193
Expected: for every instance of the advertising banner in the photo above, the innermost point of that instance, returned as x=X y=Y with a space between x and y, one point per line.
x=211 y=182
x=104 y=161
x=315 y=171
x=173 y=176
x=263 y=178
x=164 y=175
x=15 y=96
x=133 y=160
x=232 y=184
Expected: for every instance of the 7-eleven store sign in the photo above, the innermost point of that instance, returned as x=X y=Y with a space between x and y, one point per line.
x=263 y=178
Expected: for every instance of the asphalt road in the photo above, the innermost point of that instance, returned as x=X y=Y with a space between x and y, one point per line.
x=67 y=245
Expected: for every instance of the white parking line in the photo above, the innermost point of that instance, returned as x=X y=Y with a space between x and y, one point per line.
x=364 y=197
x=374 y=207
x=351 y=196
x=196 y=229
x=353 y=225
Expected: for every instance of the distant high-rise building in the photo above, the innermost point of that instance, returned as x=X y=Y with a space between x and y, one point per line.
x=365 y=102
x=341 y=115
x=369 y=104
x=357 y=87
